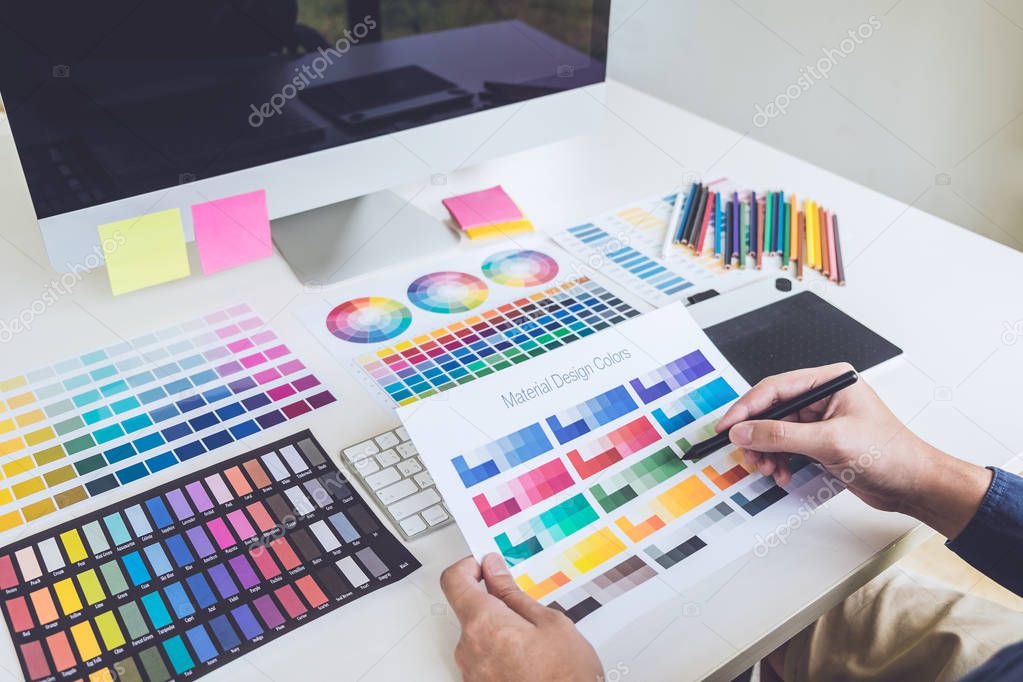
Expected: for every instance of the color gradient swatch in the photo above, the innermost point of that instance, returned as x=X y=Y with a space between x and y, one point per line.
x=613 y=447
x=494 y=340
x=187 y=577
x=369 y=320
x=520 y=268
x=684 y=410
x=89 y=424
x=537 y=534
x=523 y=492
x=448 y=292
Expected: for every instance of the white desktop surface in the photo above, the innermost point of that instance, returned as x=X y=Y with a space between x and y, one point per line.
x=949 y=298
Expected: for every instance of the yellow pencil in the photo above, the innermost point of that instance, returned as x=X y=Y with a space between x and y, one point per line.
x=794 y=230
x=810 y=232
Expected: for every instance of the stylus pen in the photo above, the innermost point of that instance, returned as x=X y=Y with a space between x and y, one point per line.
x=779 y=411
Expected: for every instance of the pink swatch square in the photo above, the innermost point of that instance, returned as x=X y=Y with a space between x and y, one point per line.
x=478 y=209
x=232 y=231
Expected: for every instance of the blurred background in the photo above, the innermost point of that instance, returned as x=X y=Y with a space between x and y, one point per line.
x=924 y=103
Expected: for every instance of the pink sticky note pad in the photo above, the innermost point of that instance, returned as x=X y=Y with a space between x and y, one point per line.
x=232 y=231
x=479 y=209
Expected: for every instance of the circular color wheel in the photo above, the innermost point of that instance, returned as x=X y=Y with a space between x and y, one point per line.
x=369 y=320
x=448 y=292
x=520 y=268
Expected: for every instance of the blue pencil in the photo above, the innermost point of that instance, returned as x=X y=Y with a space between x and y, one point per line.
x=779 y=225
x=685 y=212
x=717 y=223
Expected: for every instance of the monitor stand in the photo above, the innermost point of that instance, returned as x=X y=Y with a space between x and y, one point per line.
x=330 y=244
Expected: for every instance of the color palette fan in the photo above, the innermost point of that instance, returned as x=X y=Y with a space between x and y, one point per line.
x=448 y=292
x=84 y=426
x=189 y=576
x=369 y=320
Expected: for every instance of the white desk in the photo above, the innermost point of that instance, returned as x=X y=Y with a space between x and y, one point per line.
x=943 y=294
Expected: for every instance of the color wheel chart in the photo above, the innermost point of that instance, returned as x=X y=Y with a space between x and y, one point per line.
x=577 y=479
x=491 y=314
x=191 y=575
x=84 y=426
x=627 y=244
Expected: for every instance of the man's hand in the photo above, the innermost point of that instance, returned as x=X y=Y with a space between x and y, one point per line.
x=506 y=635
x=858 y=439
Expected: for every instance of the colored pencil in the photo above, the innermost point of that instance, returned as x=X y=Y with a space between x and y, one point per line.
x=838 y=254
x=811 y=250
x=743 y=233
x=696 y=217
x=726 y=252
x=753 y=223
x=768 y=223
x=793 y=227
x=761 y=210
x=822 y=229
x=701 y=241
x=736 y=210
x=676 y=218
x=779 y=226
x=786 y=229
x=801 y=240
x=686 y=210
x=832 y=252
x=717 y=225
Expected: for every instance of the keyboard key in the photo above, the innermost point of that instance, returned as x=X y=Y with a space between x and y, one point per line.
x=357 y=452
x=413 y=524
x=366 y=466
x=435 y=515
x=402 y=433
x=409 y=467
x=407 y=450
x=415 y=503
x=383 y=478
x=393 y=493
x=424 y=479
x=387 y=458
x=386 y=440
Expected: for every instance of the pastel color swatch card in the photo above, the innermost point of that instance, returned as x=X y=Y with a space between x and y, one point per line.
x=570 y=467
x=182 y=579
x=481 y=209
x=232 y=231
x=144 y=251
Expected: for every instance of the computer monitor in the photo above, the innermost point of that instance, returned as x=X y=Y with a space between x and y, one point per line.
x=120 y=108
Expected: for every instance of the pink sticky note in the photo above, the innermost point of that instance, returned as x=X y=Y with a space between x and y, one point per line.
x=479 y=209
x=232 y=231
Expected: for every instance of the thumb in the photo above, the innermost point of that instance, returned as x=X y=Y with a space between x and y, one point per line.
x=783 y=436
x=500 y=583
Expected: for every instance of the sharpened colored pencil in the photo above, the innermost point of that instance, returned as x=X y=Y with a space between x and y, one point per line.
x=743 y=233
x=726 y=252
x=793 y=227
x=832 y=253
x=822 y=223
x=761 y=210
x=701 y=241
x=801 y=240
x=838 y=254
x=768 y=223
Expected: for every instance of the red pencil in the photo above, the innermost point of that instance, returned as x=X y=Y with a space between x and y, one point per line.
x=698 y=245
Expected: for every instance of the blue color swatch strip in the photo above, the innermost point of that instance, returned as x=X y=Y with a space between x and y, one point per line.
x=501 y=455
x=631 y=260
x=686 y=409
x=595 y=412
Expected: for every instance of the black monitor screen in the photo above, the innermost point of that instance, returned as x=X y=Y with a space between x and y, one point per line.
x=115 y=98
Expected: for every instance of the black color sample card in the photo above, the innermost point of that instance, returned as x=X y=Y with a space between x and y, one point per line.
x=190 y=575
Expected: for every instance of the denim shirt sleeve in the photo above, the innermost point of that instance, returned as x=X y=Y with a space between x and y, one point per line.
x=992 y=541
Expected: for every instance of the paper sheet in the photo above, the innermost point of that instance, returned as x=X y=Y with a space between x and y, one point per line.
x=144 y=251
x=232 y=231
x=568 y=465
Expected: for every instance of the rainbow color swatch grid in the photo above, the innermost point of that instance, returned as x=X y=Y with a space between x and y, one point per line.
x=592 y=484
x=493 y=340
x=81 y=427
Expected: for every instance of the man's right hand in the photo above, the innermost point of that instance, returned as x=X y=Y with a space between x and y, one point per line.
x=856 y=437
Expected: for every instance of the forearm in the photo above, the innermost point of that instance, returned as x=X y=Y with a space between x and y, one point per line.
x=946 y=492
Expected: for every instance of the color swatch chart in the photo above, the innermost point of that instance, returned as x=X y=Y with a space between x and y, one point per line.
x=84 y=426
x=410 y=335
x=625 y=244
x=180 y=580
x=496 y=339
x=570 y=467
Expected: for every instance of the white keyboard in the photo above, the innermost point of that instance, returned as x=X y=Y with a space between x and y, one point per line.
x=390 y=469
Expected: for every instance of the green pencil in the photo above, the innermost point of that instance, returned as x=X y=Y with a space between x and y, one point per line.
x=786 y=247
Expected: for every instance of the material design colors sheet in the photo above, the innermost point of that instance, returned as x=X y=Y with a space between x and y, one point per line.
x=184 y=578
x=448 y=292
x=369 y=320
x=569 y=466
x=438 y=350
x=84 y=426
x=627 y=243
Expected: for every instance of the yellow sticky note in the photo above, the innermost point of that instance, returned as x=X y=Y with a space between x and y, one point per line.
x=145 y=251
